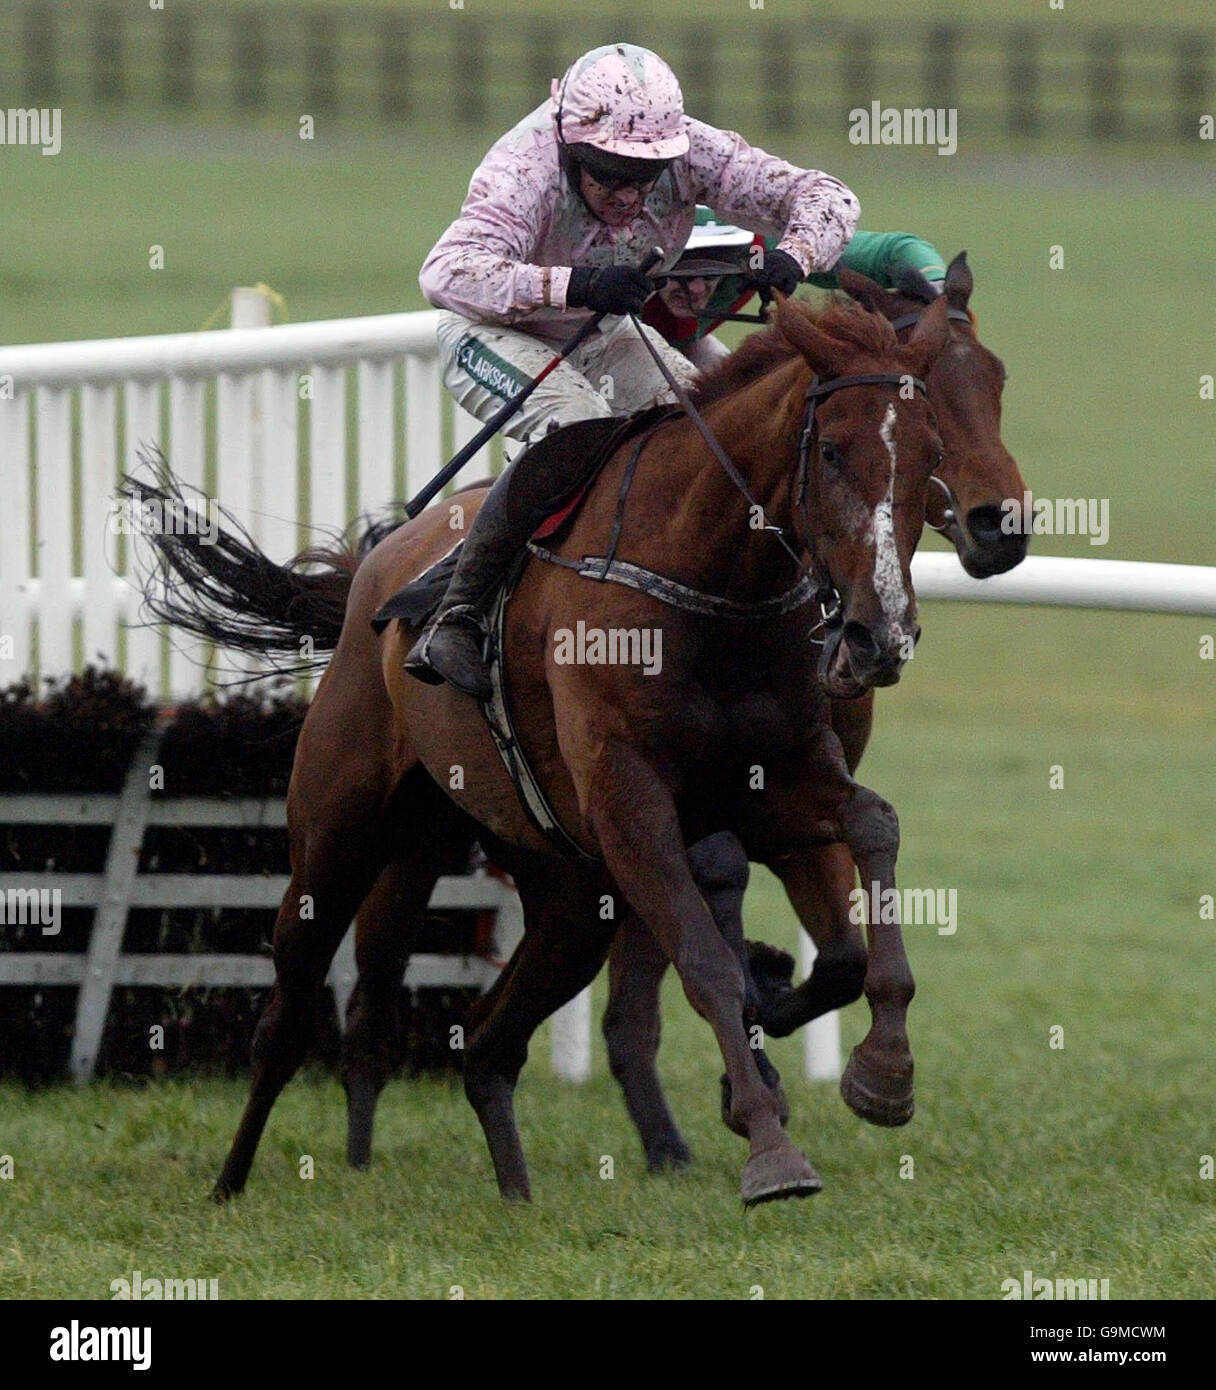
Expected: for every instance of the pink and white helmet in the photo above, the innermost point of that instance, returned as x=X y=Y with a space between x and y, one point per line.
x=623 y=100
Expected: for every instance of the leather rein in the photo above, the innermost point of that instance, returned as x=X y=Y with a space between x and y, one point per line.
x=814 y=579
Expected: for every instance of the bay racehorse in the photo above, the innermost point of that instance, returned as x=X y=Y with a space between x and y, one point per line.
x=974 y=477
x=833 y=445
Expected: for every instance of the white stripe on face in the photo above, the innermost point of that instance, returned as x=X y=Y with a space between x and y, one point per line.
x=888 y=577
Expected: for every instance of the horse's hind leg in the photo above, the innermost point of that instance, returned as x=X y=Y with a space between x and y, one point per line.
x=561 y=953
x=304 y=946
x=386 y=929
x=337 y=809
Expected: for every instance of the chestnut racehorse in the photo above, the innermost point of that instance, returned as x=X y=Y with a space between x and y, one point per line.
x=833 y=445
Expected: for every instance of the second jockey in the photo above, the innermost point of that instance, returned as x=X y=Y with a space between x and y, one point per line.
x=711 y=280
x=558 y=218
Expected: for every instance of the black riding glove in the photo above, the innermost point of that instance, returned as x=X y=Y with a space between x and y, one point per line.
x=615 y=289
x=780 y=271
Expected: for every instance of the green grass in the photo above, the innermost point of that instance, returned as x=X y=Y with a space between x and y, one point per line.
x=1077 y=907
x=1073 y=910
x=1074 y=13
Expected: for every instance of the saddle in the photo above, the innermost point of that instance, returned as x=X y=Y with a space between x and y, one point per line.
x=597 y=439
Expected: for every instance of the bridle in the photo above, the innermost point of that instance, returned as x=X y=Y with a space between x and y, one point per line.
x=813 y=579
x=825 y=592
x=950 y=509
x=830 y=605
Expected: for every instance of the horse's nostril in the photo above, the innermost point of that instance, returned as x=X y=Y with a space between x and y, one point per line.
x=860 y=639
x=984 y=523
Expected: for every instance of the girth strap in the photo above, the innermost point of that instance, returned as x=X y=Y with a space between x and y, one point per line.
x=497 y=711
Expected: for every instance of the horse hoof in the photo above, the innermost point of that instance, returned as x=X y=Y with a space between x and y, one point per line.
x=881 y=1097
x=776 y=1174
x=769 y=963
x=222 y=1193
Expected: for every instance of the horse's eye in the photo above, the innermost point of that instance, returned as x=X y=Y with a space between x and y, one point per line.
x=829 y=452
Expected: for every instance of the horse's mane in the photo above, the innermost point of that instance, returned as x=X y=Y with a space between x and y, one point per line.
x=768 y=349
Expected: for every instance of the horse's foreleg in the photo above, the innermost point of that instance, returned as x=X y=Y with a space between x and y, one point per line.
x=719 y=866
x=561 y=953
x=385 y=930
x=635 y=822
x=877 y=1083
x=632 y=1028
x=817 y=883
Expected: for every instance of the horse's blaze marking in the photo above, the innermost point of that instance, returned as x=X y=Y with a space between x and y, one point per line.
x=888 y=577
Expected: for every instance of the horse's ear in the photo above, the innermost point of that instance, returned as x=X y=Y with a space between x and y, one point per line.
x=866 y=292
x=929 y=339
x=959 y=282
x=822 y=352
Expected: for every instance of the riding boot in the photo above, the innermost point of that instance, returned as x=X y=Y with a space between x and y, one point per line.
x=452 y=647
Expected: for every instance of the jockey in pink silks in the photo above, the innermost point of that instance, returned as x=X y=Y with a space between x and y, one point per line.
x=558 y=218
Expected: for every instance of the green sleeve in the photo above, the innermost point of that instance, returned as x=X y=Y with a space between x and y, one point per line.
x=881 y=256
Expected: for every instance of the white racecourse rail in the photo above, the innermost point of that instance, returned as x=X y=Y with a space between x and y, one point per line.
x=303 y=425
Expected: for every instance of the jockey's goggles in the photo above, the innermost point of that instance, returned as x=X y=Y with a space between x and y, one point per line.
x=613 y=171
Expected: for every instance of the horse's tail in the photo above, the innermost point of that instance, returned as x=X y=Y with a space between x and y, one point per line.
x=214 y=582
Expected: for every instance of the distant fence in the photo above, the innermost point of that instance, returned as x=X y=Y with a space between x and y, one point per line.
x=764 y=70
